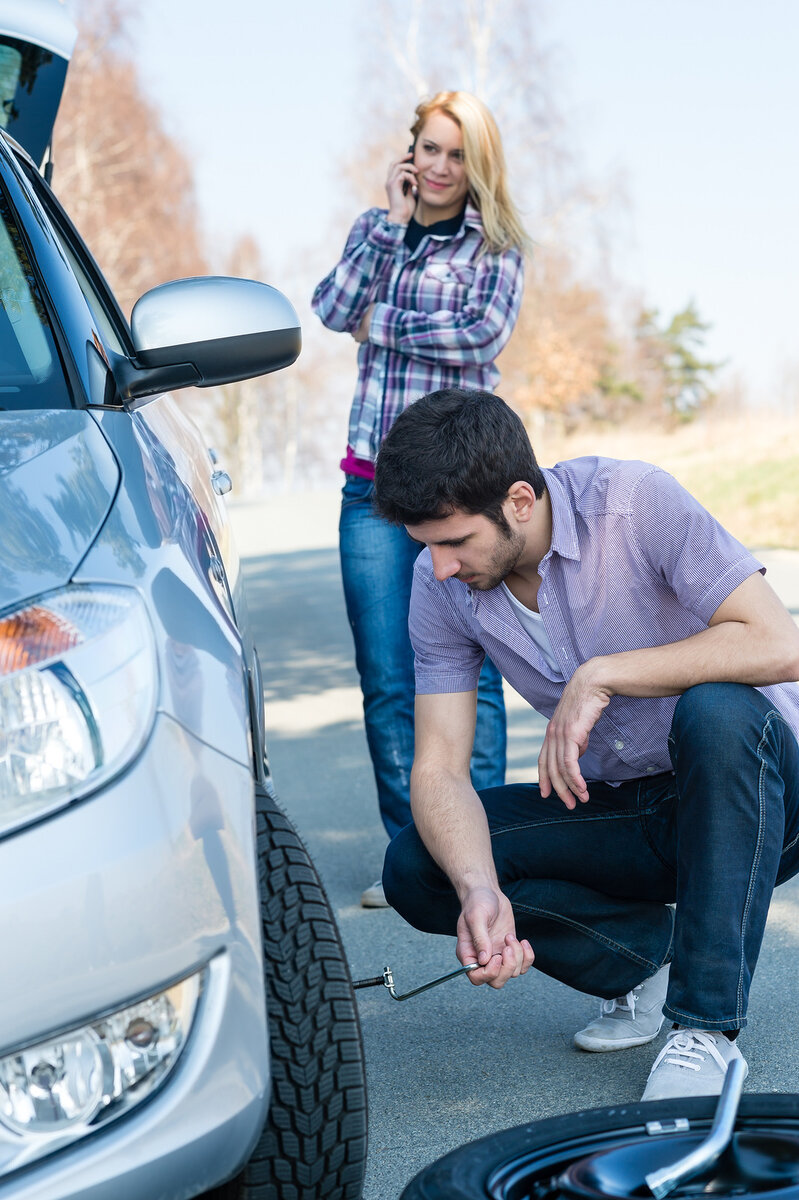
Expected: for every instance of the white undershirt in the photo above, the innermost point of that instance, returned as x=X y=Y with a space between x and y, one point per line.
x=532 y=623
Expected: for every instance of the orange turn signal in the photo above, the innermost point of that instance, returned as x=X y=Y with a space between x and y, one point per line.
x=32 y=636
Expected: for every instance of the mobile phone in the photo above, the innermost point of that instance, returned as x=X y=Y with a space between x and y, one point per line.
x=406 y=187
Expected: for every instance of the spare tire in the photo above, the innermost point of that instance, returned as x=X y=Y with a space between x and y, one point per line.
x=533 y=1162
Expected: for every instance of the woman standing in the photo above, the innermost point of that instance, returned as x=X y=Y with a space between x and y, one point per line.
x=430 y=288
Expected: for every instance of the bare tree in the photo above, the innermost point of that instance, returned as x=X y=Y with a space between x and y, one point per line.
x=287 y=428
x=126 y=182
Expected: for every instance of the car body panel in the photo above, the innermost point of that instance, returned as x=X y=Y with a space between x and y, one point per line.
x=148 y=878
x=117 y=896
x=145 y=882
x=58 y=478
x=177 y=438
x=158 y=539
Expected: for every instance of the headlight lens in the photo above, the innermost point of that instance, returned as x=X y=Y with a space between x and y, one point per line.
x=78 y=686
x=83 y=1078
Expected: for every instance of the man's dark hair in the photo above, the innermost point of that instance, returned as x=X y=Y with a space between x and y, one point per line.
x=455 y=448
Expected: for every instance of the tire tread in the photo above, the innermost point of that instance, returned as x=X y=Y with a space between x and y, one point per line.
x=313 y=1146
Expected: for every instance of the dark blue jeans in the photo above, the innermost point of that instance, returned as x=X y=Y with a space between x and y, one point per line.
x=592 y=888
x=377 y=570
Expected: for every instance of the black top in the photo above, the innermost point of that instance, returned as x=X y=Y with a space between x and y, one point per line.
x=415 y=232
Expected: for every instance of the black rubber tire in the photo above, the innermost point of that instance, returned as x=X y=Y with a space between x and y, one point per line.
x=467 y=1173
x=313 y=1146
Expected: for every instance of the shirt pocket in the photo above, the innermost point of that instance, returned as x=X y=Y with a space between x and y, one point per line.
x=445 y=286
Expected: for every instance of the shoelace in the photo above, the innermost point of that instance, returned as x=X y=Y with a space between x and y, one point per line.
x=625 y=1003
x=687 y=1044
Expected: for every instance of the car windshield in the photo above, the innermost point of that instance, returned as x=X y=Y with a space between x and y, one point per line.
x=31 y=375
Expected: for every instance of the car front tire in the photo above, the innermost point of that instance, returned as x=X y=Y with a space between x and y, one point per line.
x=313 y=1145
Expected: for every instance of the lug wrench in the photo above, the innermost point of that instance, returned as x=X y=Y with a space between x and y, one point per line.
x=387 y=980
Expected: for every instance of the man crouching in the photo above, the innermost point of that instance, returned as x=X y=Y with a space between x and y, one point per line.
x=647 y=635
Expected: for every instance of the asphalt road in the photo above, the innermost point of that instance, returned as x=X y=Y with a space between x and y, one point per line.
x=458 y=1062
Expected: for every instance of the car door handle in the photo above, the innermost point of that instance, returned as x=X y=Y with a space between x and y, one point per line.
x=221 y=482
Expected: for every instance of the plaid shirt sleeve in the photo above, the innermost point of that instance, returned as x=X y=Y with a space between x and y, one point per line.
x=343 y=296
x=475 y=334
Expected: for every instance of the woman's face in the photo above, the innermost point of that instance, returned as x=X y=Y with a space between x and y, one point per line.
x=441 y=181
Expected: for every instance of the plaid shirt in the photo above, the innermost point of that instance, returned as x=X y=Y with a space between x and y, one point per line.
x=442 y=314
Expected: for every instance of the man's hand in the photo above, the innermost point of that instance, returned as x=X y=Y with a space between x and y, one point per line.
x=361 y=334
x=579 y=708
x=487 y=935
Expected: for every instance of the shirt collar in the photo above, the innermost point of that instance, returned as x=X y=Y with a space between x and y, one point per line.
x=564 y=527
x=471 y=220
x=564 y=539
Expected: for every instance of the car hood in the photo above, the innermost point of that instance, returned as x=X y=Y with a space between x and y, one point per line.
x=58 y=478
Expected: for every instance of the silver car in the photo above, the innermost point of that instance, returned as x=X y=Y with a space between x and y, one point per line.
x=155 y=902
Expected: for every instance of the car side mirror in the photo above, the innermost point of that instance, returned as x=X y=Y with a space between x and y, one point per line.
x=207 y=331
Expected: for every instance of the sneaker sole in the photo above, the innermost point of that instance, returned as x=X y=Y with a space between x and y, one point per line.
x=682 y=1094
x=604 y=1045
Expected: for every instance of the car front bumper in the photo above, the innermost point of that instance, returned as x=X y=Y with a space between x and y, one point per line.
x=111 y=899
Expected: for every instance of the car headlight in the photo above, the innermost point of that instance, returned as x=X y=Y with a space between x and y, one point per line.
x=78 y=687
x=63 y=1088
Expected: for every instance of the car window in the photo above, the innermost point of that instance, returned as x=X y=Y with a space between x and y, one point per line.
x=107 y=331
x=108 y=318
x=31 y=83
x=31 y=374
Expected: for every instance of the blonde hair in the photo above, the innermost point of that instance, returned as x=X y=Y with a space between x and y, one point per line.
x=485 y=166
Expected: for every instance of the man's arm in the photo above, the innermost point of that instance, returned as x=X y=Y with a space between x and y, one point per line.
x=751 y=638
x=452 y=824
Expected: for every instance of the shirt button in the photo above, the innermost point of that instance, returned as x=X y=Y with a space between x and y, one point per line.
x=619 y=744
x=650 y=770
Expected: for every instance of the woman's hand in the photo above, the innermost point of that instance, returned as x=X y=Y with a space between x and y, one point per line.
x=361 y=334
x=401 y=203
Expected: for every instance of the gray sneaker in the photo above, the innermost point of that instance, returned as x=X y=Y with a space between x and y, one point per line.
x=692 y=1063
x=374 y=896
x=630 y=1020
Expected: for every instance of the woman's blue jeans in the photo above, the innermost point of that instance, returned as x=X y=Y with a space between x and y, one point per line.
x=592 y=888
x=377 y=570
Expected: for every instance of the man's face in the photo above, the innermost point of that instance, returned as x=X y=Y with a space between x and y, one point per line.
x=471 y=548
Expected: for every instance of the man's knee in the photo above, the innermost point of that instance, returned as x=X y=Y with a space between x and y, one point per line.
x=403 y=869
x=713 y=713
x=721 y=735
x=415 y=885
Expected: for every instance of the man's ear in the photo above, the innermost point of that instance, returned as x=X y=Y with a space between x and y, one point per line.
x=520 y=502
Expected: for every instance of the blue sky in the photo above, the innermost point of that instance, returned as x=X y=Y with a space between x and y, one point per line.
x=691 y=103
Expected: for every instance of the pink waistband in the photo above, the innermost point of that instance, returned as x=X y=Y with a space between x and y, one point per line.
x=357 y=466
